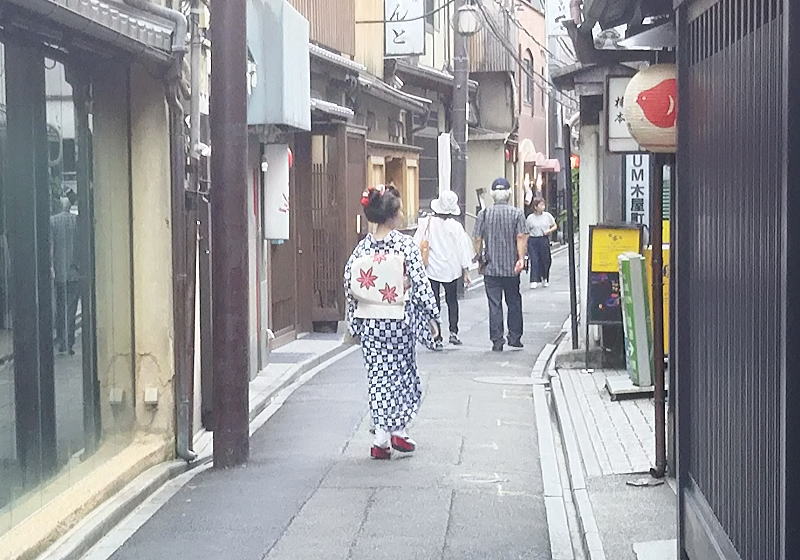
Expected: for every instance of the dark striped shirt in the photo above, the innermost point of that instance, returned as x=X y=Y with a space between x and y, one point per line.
x=64 y=230
x=499 y=227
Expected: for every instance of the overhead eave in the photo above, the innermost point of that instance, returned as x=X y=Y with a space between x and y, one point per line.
x=427 y=77
x=139 y=33
x=331 y=57
x=332 y=109
x=587 y=79
x=381 y=90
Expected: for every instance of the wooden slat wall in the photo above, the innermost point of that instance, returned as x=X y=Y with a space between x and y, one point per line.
x=486 y=51
x=332 y=23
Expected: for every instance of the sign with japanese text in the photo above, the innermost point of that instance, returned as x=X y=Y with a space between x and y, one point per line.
x=637 y=189
x=606 y=244
x=609 y=242
x=619 y=135
x=404 y=28
x=557 y=13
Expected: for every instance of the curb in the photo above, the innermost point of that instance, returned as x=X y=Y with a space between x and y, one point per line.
x=592 y=544
x=92 y=528
x=555 y=507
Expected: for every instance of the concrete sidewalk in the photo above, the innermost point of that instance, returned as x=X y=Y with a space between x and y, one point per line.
x=610 y=447
x=473 y=490
x=287 y=364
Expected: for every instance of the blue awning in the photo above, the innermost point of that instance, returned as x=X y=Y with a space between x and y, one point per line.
x=280 y=74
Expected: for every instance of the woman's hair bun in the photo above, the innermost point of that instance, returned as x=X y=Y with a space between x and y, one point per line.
x=381 y=203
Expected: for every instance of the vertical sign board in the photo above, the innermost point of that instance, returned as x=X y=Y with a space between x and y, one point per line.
x=275 y=170
x=637 y=189
x=636 y=319
x=557 y=13
x=619 y=136
x=445 y=161
x=606 y=244
x=404 y=30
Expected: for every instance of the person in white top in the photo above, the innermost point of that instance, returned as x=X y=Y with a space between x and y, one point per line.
x=450 y=254
x=540 y=225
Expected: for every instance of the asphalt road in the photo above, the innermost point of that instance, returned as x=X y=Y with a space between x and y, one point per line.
x=473 y=489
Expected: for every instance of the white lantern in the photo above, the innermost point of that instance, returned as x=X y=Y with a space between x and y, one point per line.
x=467 y=20
x=651 y=108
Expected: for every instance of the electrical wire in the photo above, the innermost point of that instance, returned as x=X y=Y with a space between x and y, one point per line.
x=423 y=16
x=490 y=23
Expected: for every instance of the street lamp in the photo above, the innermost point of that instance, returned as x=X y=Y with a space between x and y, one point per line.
x=467 y=22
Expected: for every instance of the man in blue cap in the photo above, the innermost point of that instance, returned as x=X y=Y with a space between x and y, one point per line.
x=501 y=234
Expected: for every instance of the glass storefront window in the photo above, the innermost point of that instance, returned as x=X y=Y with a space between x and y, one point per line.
x=66 y=348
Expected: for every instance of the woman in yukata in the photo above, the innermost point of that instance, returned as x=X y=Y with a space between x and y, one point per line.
x=390 y=307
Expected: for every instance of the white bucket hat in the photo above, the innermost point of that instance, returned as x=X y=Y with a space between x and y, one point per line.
x=447 y=203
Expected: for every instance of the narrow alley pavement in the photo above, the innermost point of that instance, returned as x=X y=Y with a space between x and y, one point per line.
x=473 y=490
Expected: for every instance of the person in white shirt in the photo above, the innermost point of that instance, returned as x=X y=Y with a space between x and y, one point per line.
x=450 y=254
x=540 y=225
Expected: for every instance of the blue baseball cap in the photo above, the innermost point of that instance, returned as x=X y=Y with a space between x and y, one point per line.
x=501 y=184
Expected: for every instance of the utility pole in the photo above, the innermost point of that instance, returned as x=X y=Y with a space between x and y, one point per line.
x=458 y=180
x=229 y=233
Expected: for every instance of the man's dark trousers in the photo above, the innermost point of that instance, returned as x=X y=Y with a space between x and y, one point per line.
x=496 y=288
x=68 y=294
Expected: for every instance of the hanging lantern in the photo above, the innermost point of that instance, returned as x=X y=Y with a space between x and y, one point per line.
x=651 y=108
x=575 y=161
x=290 y=154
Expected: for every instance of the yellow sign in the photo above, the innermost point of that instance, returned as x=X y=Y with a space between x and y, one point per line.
x=608 y=243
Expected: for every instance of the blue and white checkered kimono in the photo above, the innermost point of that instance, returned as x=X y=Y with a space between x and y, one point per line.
x=389 y=345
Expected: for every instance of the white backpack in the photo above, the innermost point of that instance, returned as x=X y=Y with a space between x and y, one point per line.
x=377 y=281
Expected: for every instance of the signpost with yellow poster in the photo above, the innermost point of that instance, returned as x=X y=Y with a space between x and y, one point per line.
x=606 y=244
x=604 y=298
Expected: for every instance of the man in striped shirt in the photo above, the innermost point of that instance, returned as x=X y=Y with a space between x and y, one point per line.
x=502 y=233
x=64 y=232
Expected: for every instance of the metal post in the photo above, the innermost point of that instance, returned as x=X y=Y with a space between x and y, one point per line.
x=229 y=233
x=659 y=396
x=570 y=233
x=458 y=179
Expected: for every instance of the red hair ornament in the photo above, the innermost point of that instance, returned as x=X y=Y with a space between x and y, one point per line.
x=365 y=195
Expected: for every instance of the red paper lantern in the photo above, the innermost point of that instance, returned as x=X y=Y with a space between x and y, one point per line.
x=651 y=108
x=291 y=157
x=575 y=161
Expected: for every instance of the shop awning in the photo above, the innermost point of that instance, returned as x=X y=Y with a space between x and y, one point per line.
x=105 y=22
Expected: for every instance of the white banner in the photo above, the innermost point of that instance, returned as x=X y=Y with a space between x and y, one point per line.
x=637 y=189
x=404 y=37
x=276 y=191
x=445 y=162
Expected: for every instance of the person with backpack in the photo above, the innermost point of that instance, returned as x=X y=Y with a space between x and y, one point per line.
x=449 y=253
x=390 y=307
